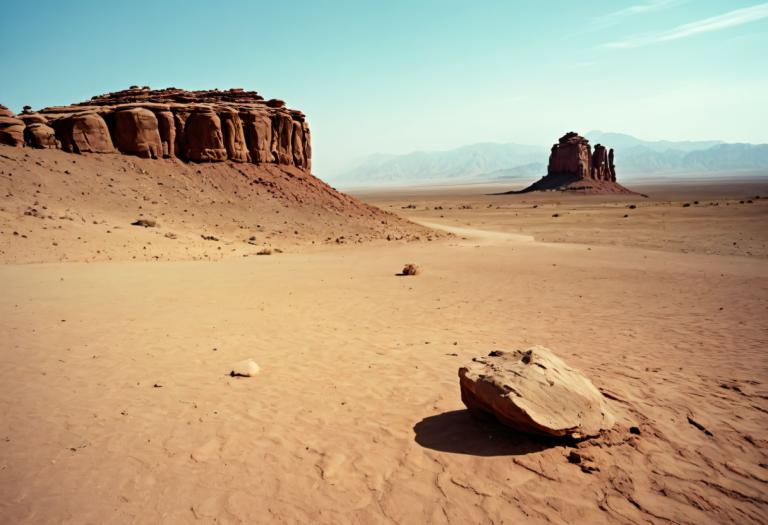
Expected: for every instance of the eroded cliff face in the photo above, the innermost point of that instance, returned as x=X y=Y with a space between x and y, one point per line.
x=11 y=128
x=196 y=126
x=570 y=155
x=602 y=164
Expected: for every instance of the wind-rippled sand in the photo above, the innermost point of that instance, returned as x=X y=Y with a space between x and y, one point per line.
x=117 y=406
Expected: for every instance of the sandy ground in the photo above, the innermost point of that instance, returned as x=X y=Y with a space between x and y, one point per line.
x=715 y=218
x=56 y=206
x=117 y=406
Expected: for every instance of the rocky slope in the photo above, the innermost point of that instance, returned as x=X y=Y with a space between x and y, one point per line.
x=208 y=173
x=574 y=167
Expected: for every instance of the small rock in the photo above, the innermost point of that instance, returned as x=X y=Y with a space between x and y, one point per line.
x=574 y=457
x=146 y=223
x=246 y=368
x=410 y=269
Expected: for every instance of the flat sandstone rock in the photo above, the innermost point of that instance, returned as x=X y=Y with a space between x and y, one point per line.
x=534 y=391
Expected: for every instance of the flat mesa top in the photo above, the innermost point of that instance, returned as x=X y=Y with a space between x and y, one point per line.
x=172 y=94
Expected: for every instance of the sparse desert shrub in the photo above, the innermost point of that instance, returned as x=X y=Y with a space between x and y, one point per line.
x=209 y=238
x=146 y=223
x=555 y=215
x=687 y=205
x=632 y=206
x=264 y=251
x=410 y=269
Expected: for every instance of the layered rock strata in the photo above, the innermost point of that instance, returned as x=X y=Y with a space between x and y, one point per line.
x=197 y=126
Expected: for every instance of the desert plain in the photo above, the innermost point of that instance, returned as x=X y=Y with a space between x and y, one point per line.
x=117 y=405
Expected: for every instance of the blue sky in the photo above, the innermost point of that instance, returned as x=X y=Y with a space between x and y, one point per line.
x=400 y=76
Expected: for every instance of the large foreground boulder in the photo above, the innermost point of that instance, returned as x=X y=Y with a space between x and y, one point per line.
x=534 y=391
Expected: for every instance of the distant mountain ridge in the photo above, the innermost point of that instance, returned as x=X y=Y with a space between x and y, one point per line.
x=621 y=141
x=466 y=162
x=636 y=156
x=497 y=162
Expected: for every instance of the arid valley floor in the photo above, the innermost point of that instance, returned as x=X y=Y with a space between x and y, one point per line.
x=117 y=406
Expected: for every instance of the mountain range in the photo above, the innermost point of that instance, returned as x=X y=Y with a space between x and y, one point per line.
x=488 y=162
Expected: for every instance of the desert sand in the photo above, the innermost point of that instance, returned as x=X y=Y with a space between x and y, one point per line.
x=62 y=207
x=118 y=407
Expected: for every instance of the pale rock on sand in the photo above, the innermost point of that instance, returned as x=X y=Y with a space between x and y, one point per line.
x=534 y=391
x=246 y=368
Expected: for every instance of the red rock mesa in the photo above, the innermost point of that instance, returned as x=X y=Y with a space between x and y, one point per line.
x=196 y=126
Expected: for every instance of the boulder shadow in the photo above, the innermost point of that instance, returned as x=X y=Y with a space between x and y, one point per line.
x=459 y=432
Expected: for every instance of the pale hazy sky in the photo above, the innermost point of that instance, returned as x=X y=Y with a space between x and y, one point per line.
x=399 y=76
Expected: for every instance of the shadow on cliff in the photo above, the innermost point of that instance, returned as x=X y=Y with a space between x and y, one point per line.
x=459 y=432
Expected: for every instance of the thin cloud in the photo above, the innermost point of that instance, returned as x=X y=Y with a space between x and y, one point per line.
x=716 y=23
x=638 y=9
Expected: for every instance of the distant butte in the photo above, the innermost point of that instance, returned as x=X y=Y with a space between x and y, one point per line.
x=574 y=167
